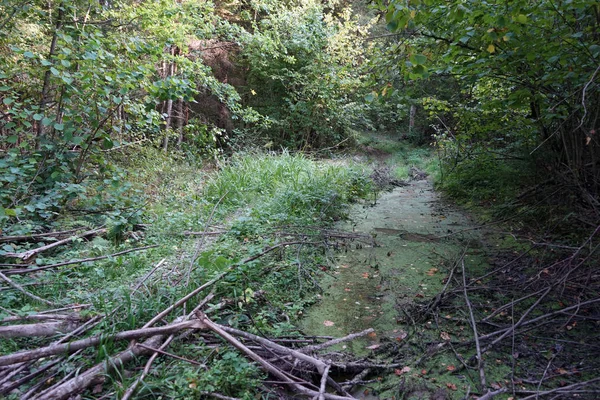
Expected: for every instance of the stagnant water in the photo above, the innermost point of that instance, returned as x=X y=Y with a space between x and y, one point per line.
x=415 y=236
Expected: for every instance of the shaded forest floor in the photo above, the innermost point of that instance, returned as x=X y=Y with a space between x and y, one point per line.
x=256 y=265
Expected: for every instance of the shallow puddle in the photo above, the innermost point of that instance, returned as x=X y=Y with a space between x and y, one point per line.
x=415 y=236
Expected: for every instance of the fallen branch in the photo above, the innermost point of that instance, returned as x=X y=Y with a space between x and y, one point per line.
x=35 y=236
x=333 y=342
x=25 y=292
x=97 y=373
x=26 y=255
x=37 y=330
x=474 y=326
x=214 y=233
x=22 y=271
x=94 y=341
x=208 y=324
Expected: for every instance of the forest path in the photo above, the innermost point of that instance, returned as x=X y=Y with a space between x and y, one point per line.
x=417 y=237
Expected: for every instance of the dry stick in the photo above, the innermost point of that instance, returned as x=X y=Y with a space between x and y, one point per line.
x=25 y=292
x=92 y=375
x=148 y=275
x=40 y=317
x=29 y=377
x=320 y=365
x=561 y=389
x=93 y=341
x=175 y=356
x=37 y=330
x=127 y=395
x=201 y=243
x=184 y=299
x=188 y=233
x=352 y=336
x=511 y=304
x=34 y=236
x=324 y=382
x=27 y=271
x=490 y=395
x=266 y=365
x=30 y=253
x=519 y=322
x=474 y=325
x=43 y=369
x=73 y=307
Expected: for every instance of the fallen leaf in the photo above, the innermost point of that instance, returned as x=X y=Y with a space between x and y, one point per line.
x=451 y=386
x=562 y=371
x=372 y=335
x=450 y=368
x=432 y=271
x=401 y=336
x=328 y=323
x=445 y=336
x=347 y=289
x=404 y=370
x=495 y=386
x=419 y=295
x=97 y=389
x=365 y=275
x=423 y=372
x=373 y=347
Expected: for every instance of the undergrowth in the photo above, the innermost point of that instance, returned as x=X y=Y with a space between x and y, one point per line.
x=256 y=201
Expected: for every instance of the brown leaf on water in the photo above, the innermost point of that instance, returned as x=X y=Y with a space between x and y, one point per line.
x=328 y=323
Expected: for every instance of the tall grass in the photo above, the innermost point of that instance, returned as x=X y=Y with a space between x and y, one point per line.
x=287 y=186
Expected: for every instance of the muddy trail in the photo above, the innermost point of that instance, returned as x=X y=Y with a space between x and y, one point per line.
x=428 y=273
x=416 y=239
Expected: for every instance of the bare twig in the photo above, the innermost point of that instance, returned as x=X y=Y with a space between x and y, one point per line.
x=26 y=255
x=333 y=342
x=30 y=270
x=36 y=236
x=25 y=292
x=474 y=326
x=148 y=275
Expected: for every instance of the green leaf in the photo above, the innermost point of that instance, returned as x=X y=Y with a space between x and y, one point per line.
x=12 y=139
x=29 y=54
x=38 y=117
x=418 y=59
x=8 y=101
x=65 y=63
x=46 y=121
x=46 y=63
x=522 y=19
x=59 y=127
x=54 y=71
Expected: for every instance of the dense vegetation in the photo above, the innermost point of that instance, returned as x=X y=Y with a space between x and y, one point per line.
x=151 y=148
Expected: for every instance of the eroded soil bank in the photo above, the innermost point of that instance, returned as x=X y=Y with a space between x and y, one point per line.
x=416 y=236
